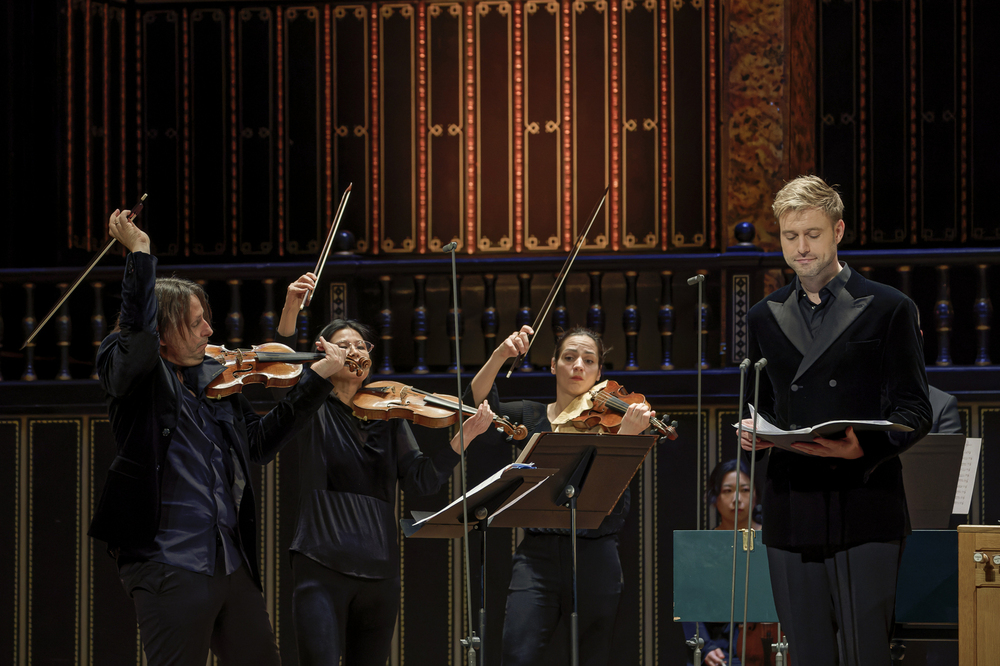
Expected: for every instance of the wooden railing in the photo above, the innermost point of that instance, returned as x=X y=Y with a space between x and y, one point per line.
x=408 y=298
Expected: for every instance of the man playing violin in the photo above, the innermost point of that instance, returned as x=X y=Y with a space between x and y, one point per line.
x=178 y=506
x=539 y=600
x=345 y=552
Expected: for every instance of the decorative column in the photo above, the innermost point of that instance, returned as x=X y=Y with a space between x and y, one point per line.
x=385 y=325
x=595 y=313
x=98 y=324
x=665 y=320
x=64 y=331
x=983 y=310
x=234 y=318
x=419 y=324
x=631 y=321
x=943 y=315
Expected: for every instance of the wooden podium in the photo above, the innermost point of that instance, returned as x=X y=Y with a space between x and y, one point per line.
x=979 y=595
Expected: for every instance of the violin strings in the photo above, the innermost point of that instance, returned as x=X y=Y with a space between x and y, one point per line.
x=620 y=405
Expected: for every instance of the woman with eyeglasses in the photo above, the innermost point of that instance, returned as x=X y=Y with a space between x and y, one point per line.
x=345 y=556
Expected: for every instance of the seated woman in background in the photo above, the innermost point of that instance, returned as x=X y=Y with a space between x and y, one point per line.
x=725 y=490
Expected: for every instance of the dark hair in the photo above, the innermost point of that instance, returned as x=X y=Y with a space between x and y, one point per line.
x=719 y=475
x=364 y=330
x=173 y=303
x=586 y=332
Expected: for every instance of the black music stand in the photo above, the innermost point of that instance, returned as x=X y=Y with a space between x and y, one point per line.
x=603 y=465
x=490 y=498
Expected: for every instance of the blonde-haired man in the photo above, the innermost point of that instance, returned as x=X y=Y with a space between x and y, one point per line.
x=838 y=346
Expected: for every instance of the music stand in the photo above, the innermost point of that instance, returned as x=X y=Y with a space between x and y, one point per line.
x=602 y=465
x=490 y=498
x=930 y=476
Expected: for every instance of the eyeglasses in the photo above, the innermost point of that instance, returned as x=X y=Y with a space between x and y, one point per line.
x=360 y=345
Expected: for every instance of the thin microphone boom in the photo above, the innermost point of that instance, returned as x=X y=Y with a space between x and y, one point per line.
x=758 y=366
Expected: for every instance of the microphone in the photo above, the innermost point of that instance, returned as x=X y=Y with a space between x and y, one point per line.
x=759 y=365
x=696 y=279
x=450 y=247
x=745 y=364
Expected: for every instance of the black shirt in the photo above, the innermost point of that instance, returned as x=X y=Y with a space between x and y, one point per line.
x=349 y=471
x=814 y=313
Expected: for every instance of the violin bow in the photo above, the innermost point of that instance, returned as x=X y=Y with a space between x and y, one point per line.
x=329 y=243
x=560 y=279
x=86 y=271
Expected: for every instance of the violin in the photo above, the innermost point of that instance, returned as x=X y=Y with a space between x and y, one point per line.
x=271 y=364
x=610 y=404
x=389 y=400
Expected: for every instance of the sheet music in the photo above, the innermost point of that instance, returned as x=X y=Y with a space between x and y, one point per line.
x=784 y=439
x=484 y=484
x=967 y=476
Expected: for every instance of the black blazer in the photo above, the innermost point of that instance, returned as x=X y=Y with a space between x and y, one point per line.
x=866 y=362
x=944 y=409
x=142 y=394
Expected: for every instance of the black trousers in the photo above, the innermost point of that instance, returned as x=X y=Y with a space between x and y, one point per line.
x=183 y=614
x=536 y=630
x=342 y=616
x=837 y=609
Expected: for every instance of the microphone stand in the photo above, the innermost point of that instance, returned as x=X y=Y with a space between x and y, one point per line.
x=471 y=641
x=758 y=366
x=744 y=366
x=698 y=280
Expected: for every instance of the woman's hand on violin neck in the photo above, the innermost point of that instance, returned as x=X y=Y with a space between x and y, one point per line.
x=636 y=419
x=333 y=361
x=296 y=293
x=474 y=426
x=125 y=232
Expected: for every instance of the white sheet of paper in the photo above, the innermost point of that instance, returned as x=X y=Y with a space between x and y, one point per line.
x=967 y=475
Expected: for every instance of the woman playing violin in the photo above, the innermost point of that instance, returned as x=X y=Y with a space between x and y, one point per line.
x=345 y=557
x=539 y=600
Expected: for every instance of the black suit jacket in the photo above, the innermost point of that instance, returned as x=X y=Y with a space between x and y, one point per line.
x=144 y=407
x=945 y=418
x=866 y=362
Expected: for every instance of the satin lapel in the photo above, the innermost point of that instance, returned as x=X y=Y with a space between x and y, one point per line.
x=841 y=315
x=790 y=321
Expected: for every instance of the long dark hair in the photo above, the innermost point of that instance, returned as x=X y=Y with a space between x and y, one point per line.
x=719 y=475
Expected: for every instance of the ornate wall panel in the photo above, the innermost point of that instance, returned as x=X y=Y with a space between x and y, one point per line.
x=54 y=540
x=640 y=126
x=397 y=149
x=838 y=108
x=753 y=166
x=979 y=88
x=10 y=535
x=113 y=632
x=939 y=112
x=352 y=118
x=590 y=117
x=543 y=155
x=302 y=99
x=161 y=127
x=444 y=126
x=689 y=110
x=493 y=155
x=254 y=206
x=497 y=123
x=899 y=85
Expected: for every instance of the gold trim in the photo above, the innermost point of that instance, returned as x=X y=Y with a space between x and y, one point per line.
x=531 y=242
x=601 y=240
x=454 y=129
x=386 y=244
x=360 y=13
x=505 y=242
x=651 y=239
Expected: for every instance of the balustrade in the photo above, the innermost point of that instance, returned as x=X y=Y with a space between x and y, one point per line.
x=963 y=334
